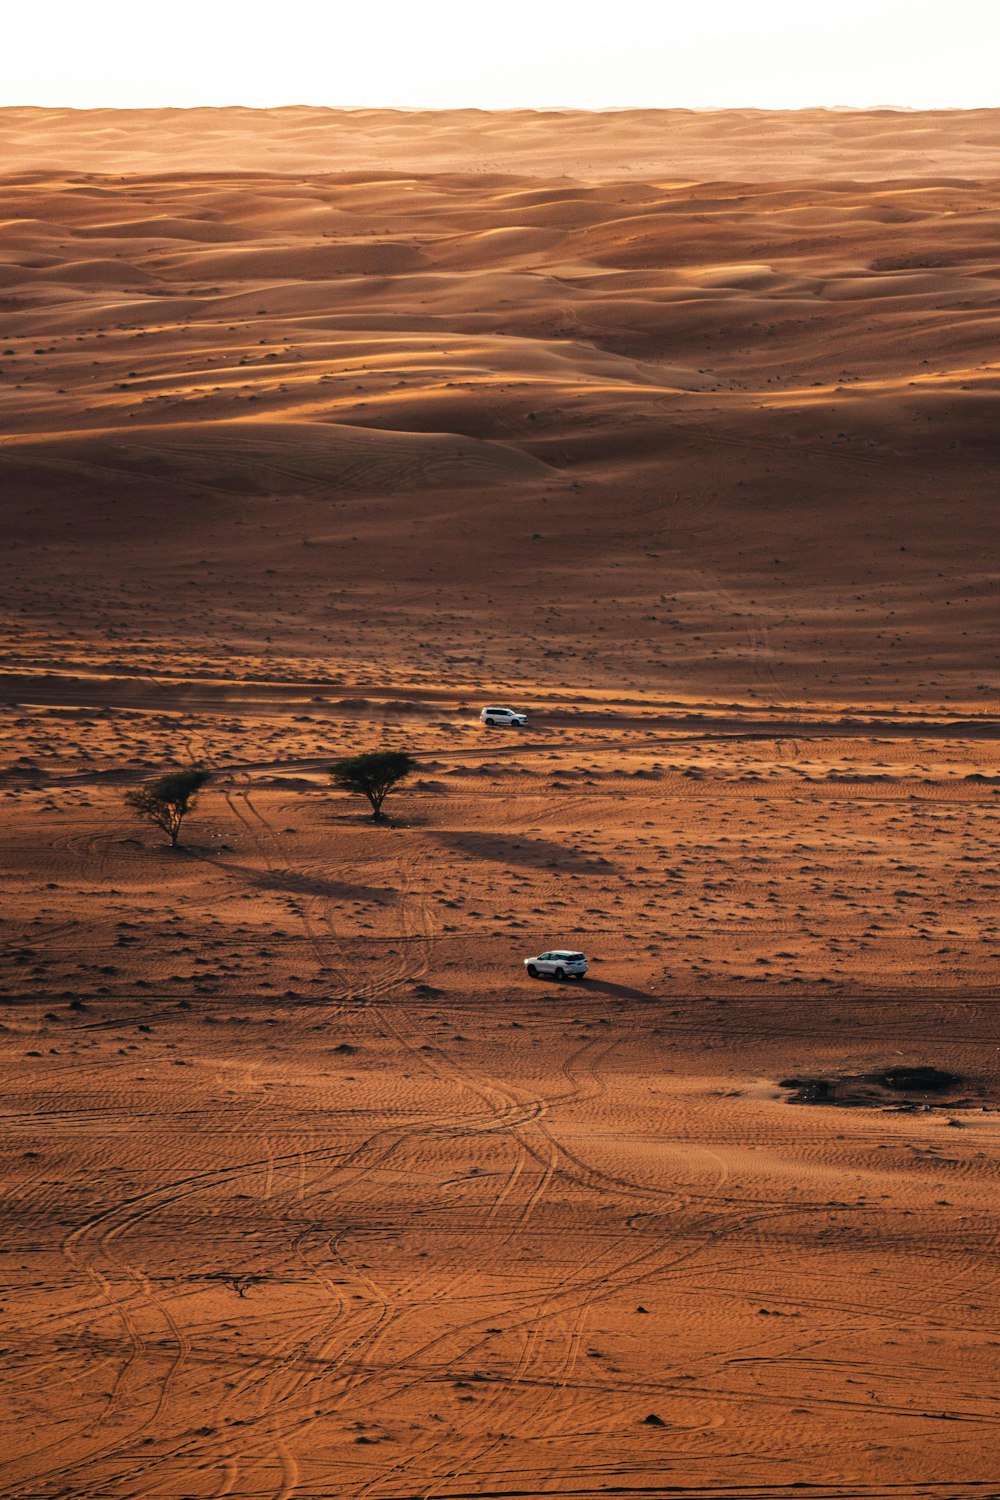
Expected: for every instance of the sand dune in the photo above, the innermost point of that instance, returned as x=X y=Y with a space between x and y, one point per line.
x=317 y=431
x=684 y=366
x=670 y=144
x=261 y=457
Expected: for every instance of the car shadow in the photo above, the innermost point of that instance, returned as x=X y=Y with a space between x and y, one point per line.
x=618 y=991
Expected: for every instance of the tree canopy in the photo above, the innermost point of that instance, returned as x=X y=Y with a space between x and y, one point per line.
x=373 y=775
x=168 y=800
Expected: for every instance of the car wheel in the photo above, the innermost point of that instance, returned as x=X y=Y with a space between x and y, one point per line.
x=532 y=971
x=560 y=973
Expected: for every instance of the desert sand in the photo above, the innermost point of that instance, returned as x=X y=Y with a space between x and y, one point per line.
x=317 y=432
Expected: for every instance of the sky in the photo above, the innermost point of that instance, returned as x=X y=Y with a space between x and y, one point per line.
x=447 y=54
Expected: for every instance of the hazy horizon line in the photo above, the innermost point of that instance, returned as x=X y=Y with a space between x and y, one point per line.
x=525 y=109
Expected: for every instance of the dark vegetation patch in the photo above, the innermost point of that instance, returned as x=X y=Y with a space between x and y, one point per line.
x=905 y=1087
x=922 y=1080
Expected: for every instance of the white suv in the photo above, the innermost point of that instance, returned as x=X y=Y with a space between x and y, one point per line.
x=561 y=963
x=504 y=716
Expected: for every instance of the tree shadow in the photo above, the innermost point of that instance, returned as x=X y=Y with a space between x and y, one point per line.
x=391 y=820
x=508 y=849
x=293 y=883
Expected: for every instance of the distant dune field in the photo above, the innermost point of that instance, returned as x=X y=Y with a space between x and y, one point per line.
x=746 y=426
x=680 y=431
x=737 y=144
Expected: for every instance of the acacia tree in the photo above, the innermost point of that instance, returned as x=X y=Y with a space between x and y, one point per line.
x=373 y=775
x=168 y=800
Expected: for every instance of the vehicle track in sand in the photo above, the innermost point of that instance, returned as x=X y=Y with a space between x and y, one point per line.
x=334 y=1358
x=372 y=988
x=380 y=987
x=383 y=985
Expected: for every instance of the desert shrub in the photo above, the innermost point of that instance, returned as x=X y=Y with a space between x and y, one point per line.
x=373 y=775
x=168 y=800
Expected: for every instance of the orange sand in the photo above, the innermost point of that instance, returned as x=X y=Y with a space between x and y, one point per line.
x=318 y=431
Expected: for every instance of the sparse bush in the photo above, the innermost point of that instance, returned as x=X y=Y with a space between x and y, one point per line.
x=373 y=775
x=168 y=800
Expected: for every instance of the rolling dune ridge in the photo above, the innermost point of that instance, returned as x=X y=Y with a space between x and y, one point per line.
x=679 y=431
